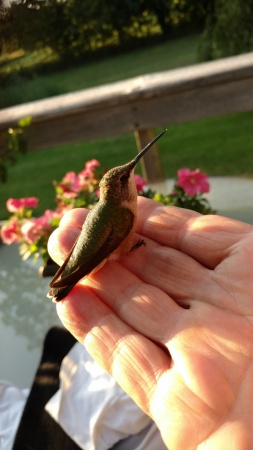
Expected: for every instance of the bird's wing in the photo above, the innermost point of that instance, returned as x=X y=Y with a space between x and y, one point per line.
x=60 y=271
x=114 y=238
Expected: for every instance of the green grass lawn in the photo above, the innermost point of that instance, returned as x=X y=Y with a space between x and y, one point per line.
x=220 y=146
x=164 y=56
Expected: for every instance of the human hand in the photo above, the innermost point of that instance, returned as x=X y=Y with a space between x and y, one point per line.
x=173 y=322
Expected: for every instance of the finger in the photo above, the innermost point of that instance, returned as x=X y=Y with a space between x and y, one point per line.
x=208 y=239
x=75 y=217
x=61 y=241
x=177 y=274
x=115 y=345
x=146 y=308
x=63 y=238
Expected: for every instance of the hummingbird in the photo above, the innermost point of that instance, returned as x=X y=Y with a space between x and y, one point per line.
x=108 y=231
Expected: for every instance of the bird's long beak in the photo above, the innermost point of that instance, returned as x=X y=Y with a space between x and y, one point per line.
x=145 y=149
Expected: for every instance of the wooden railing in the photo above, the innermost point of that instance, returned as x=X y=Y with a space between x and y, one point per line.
x=139 y=105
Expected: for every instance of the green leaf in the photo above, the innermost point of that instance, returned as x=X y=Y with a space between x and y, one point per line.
x=25 y=122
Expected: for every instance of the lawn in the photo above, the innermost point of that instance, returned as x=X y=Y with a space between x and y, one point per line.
x=219 y=146
x=164 y=56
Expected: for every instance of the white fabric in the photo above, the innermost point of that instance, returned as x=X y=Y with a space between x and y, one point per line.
x=12 y=402
x=94 y=411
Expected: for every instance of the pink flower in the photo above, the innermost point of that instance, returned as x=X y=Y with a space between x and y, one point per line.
x=69 y=178
x=69 y=194
x=33 y=229
x=9 y=232
x=44 y=222
x=29 y=232
x=30 y=202
x=90 y=165
x=86 y=175
x=14 y=204
x=140 y=183
x=72 y=182
x=192 y=182
x=83 y=178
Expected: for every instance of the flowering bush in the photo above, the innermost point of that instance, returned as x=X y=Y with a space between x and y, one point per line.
x=187 y=192
x=31 y=233
x=74 y=190
x=82 y=190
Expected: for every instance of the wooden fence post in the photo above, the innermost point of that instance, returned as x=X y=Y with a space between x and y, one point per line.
x=150 y=163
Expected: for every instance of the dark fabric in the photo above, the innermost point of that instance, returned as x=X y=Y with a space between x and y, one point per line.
x=37 y=430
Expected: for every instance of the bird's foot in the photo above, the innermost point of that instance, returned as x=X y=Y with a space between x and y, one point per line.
x=138 y=244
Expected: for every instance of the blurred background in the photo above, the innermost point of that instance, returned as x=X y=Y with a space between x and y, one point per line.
x=53 y=47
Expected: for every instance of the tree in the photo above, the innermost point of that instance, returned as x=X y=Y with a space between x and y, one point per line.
x=5 y=30
x=228 y=30
x=74 y=27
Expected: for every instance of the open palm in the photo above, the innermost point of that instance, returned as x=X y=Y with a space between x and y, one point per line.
x=173 y=322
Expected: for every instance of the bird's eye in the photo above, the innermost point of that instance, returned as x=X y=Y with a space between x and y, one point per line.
x=124 y=178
